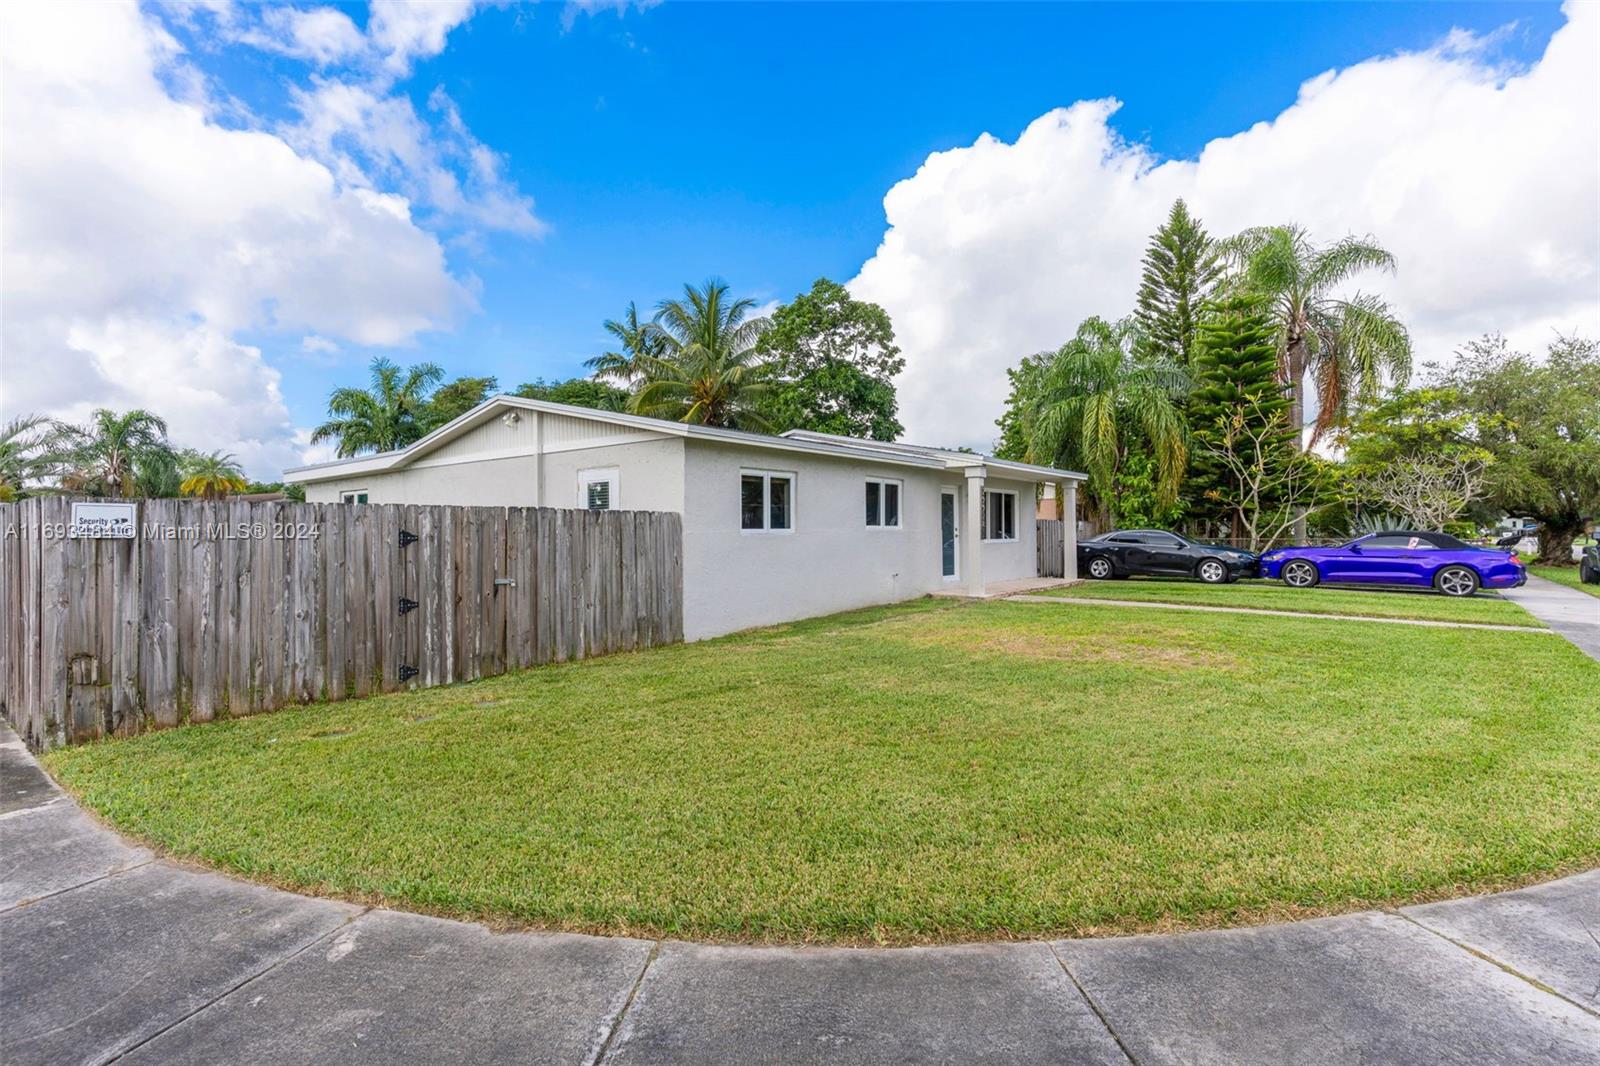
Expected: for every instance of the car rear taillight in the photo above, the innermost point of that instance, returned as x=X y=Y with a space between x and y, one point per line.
x=1513 y=557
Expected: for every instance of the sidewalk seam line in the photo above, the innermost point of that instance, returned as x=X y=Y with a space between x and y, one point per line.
x=627 y=1004
x=1478 y=953
x=1093 y=1006
x=225 y=993
x=73 y=888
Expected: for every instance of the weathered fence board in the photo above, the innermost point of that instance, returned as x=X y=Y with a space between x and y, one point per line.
x=1048 y=545
x=229 y=608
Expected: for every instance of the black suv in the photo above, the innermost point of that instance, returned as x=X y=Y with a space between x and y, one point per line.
x=1589 y=565
x=1157 y=552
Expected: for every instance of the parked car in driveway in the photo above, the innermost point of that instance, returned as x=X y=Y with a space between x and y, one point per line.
x=1404 y=557
x=1158 y=552
x=1589 y=565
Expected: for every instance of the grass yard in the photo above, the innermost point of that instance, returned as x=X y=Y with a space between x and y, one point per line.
x=1564 y=575
x=932 y=771
x=1324 y=599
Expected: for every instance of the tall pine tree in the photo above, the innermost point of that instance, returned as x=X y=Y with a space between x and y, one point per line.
x=1180 y=273
x=1235 y=368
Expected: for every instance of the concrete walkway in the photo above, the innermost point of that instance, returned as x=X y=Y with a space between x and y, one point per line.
x=1573 y=614
x=108 y=954
x=1095 y=601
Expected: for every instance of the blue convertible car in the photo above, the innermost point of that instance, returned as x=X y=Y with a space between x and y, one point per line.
x=1398 y=557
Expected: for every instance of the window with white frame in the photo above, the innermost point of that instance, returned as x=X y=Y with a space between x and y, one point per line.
x=355 y=496
x=766 y=501
x=883 y=503
x=597 y=489
x=998 y=515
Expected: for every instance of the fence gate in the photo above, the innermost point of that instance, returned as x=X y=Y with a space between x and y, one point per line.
x=1048 y=544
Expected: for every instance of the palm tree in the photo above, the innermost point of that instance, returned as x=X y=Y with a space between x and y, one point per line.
x=30 y=452
x=211 y=475
x=1095 y=395
x=639 y=340
x=386 y=416
x=1346 y=345
x=106 y=456
x=708 y=371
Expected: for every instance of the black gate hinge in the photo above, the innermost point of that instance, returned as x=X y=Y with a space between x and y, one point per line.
x=407 y=673
x=407 y=538
x=407 y=606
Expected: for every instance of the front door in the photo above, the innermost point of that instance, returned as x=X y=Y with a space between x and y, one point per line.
x=947 y=532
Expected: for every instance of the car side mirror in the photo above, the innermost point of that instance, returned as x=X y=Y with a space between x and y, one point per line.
x=1356 y=548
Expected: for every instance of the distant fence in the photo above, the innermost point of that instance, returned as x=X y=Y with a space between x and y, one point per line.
x=232 y=608
x=1048 y=545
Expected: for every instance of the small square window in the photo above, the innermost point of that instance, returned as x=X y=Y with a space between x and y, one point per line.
x=597 y=489
x=766 y=501
x=998 y=515
x=883 y=504
x=359 y=496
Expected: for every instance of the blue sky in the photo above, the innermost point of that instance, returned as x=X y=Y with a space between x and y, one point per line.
x=224 y=210
x=756 y=142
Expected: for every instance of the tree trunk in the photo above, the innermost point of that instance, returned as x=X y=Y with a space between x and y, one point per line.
x=1555 y=544
x=1296 y=358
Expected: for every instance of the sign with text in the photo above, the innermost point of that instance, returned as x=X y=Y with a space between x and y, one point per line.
x=104 y=520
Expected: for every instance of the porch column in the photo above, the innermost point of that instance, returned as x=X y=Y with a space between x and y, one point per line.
x=1068 y=491
x=972 y=534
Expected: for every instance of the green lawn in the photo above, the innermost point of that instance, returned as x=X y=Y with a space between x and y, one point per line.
x=1325 y=599
x=937 y=770
x=1565 y=575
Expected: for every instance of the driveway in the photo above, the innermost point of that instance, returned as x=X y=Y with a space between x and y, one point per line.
x=110 y=953
x=1573 y=614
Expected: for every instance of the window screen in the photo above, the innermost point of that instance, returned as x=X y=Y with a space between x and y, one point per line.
x=752 y=492
x=779 y=490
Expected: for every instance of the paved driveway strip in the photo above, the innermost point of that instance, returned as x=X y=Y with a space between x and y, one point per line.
x=107 y=954
x=1573 y=614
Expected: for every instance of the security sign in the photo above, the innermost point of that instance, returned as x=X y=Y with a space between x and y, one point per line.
x=104 y=520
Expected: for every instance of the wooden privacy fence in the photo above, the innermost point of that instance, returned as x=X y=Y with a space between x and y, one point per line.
x=1048 y=545
x=231 y=608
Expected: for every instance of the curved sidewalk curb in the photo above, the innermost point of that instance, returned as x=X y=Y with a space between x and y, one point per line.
x=111 y=952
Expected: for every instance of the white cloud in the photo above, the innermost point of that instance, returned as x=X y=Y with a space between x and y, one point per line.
x=1484 y=183
x=140 y=237
x=321 y=35
x=414 y=29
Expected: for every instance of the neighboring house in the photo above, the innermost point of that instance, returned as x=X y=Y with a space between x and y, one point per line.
x=774 y=528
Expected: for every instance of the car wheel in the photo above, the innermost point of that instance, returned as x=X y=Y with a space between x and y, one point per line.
x=1300 y=574
x=1211 y=572
x=1456 y=581
x=1100 y=567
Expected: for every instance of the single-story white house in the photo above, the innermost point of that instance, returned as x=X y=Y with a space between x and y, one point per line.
x=775 y=528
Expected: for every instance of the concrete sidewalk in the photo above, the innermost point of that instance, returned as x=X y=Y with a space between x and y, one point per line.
x=107 y=953
x=1573 y=614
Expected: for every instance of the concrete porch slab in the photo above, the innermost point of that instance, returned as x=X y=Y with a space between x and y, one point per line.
x=996 y=590
x=1365 y=988
x=988 y=1003
x=394 y=988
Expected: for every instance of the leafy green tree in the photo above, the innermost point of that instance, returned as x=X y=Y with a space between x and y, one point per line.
x=1027 y=385
x=1415 y=455
x=387 y=416
x=210 y=475
x=31 y=453
x=118 y=455
x=834 y=364
x=709 y=372
x=577 y=392
x=1346 y=345
x=1095 y=399
x=1236 y=377
x=1182 y=269
x=636 y=340
x=453 y=399
x=1540 y=420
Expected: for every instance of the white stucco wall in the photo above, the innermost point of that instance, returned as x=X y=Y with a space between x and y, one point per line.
x=649 y=474
x=830 y=561
x=1009 y=560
